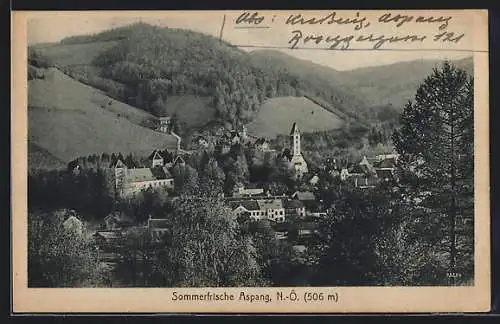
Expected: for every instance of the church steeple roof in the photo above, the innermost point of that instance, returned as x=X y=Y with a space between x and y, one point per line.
x=295 y=129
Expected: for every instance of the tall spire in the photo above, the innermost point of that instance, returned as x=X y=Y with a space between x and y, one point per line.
x=295 y=139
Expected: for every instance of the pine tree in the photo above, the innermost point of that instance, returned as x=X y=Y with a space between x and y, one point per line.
x=435 y=142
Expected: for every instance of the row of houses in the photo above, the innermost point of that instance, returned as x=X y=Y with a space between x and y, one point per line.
x=275 y=208
x=367 y=173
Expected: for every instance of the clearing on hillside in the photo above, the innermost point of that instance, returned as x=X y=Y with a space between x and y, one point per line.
x=70 y=119
x=277 y=115
x=74 y=54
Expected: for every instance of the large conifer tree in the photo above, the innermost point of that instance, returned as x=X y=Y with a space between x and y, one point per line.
x=436 y=144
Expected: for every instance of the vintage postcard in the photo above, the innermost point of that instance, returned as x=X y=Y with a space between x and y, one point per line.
x=250 y=161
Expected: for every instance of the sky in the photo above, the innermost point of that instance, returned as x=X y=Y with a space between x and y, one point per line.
x=45 y=27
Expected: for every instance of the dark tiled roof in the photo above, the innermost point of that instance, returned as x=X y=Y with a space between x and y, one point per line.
x=179 y=159
x=248 y=204
x=305 y=195
x=161 y=173
x=387 y=163
x=384 y=173
x=234 y=204
x=139 y=175
x=109 y=235
x=308 y=225
x=270 y=204
x=147 y=174
x=158 y=223
x=156 y=154
x=289 y=204
x=260 y=141
x=361 y=168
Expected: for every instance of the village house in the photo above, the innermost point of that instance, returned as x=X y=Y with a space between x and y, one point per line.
x=173 y=161
x=363 y=175
x=308 y=199
x=317 y=215
x=241 y=191
x=307 y=230
x=294 y=208
x=387 y=156
x=314 y=180
x=157 y=227
x=364 y=167
x=344 y=174
x=274 y=209
x=165 y=123
x=263 y=151
x=235 y=138
x=385 y=168
x=248 y=207
x=369 y=172
x=117 y=220
x=260 y=209
x=108 y=240
x=156 y=159
x=364 y=181
x=202 y=142
x=261 y=145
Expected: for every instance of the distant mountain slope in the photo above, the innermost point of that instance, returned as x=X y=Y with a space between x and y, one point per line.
x=374 y=88
x=278 y=114
x=319 y=82
x=396 y=83
x=70 y=119
x=306 y=69
x=41 y=159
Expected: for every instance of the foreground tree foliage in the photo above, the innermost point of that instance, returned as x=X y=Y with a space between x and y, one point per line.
x=436 y=144
x=349 y=234
x=61 y=256
x=203 y=247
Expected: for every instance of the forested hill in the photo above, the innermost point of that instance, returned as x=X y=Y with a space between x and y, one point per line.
x=151 y=67
x=379 y=90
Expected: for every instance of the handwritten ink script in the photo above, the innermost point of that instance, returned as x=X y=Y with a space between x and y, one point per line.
x=364 y=31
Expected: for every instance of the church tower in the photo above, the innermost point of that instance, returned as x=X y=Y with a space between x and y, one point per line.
x=295 y=139
x=297 y=160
